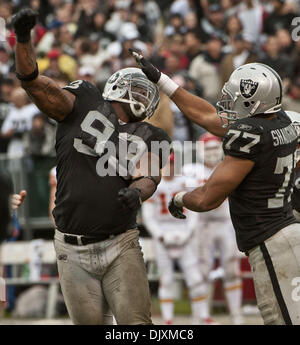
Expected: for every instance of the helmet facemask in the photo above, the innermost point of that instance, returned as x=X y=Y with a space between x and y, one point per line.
x=225 y=109
x=136 y=90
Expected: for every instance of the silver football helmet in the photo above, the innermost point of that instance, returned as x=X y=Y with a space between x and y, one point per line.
x=252 y=89
x=130 y=85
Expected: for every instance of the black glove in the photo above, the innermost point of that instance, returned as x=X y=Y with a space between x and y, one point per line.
x=23 y=22
x=151 y=72
x=176 y=211
x=130 y=198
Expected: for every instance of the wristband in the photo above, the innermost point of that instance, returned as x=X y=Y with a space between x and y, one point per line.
x=29 y=77
x=178 y=199
x=23 y=38
x=167 y=85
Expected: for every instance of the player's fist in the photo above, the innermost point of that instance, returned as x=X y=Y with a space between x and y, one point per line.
x=176 y=211
x=23 y=22
x=152 y=73
x=130 y=198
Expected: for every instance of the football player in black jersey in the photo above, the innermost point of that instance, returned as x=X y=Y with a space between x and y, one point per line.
x=256 y=175
x=103 y=150
x=295 y=118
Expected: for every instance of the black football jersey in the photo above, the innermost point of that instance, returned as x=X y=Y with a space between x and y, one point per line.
x=94 y=151
x=261 y=205
x=296 y=192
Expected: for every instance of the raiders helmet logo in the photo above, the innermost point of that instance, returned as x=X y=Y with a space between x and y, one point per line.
x=248 y=87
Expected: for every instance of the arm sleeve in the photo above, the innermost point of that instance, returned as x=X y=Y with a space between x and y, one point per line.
x=243 y=140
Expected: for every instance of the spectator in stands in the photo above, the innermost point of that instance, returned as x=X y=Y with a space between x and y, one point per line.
x=233 y=27
x=177 y=47
x=251 y=15
x=39 y=140
x=65 y=38
x=6 y=90
x=183 y=129
x=86 y=73
x=239 y=56
x=60 y=65
x=295 y=55
x=18 y=121
x=5 y=60
x=285 y=41
x=88 y=9
x=176 y=25
x=205 y=69
x=193 y=45
x=282 y=64
x=181 y=6
x=280 y=18
x=291 y=101
x=172 y=64
x=214 y=23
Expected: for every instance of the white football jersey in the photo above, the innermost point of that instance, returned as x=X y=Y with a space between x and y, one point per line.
x=158 y=219
x=196 y=175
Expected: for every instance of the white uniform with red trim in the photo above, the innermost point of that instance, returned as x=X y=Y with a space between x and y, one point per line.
x=173 y=240
x=215 y=232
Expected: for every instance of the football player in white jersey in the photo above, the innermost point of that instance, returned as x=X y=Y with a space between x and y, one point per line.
x=214 y=228
x=174 y=240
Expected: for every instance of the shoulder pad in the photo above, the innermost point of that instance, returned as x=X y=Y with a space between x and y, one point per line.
x=82 y=87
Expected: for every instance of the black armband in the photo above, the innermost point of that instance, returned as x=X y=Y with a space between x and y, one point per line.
x=137 y=178
x=29 y=77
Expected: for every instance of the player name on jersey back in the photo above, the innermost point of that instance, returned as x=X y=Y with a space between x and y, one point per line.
x=283 y=136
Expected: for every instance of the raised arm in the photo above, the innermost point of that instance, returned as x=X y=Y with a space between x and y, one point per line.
x=44 y=92
x=195 y=108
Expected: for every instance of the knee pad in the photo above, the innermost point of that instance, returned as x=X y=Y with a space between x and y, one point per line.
x=165 y=292
x=198 y=290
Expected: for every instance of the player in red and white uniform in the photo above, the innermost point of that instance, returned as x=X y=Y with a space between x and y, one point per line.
x=174 y=240
x=214 y=228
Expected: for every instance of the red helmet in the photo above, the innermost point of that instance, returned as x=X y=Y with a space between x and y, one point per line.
x=213 y=152
x=209 y=139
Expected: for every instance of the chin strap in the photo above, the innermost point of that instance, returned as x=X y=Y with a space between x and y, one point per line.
x=137 y=113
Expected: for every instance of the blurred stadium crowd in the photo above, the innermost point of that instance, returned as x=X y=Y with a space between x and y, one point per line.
x=197 y=42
